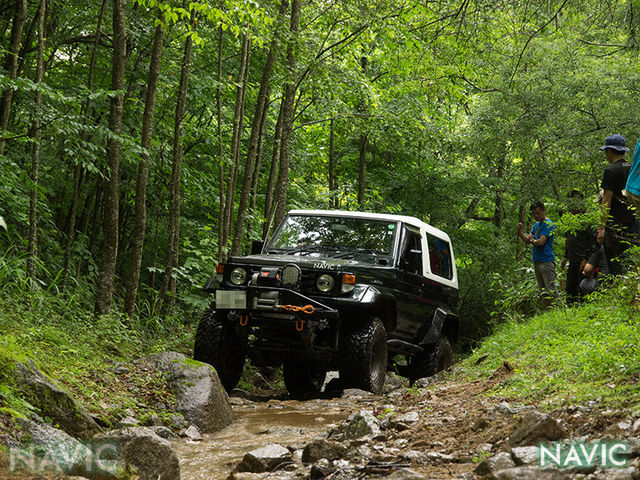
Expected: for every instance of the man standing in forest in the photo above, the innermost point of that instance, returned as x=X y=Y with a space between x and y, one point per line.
x=544 y=260
x=617 y=219
x=579 y=244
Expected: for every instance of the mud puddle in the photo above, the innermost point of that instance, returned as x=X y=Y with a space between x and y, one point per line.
x=287 y=422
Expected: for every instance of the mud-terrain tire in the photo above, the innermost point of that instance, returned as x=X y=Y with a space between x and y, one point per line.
x=435 y=359
x=217 y=344
x=363 y=356
x=303 y=378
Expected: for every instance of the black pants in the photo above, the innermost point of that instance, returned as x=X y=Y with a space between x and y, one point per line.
x=614 y=248
x=574 y=276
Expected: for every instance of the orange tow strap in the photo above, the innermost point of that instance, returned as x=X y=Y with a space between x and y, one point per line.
x=308 y=309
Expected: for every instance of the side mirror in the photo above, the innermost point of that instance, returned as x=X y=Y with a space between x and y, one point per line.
x=256 y=247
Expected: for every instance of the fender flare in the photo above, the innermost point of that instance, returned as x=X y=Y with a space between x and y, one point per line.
x=443 y=323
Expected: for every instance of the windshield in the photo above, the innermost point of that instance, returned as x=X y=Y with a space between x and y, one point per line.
x=339 y=237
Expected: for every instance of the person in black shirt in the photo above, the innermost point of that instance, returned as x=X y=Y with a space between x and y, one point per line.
x=579 y=245
x=618 y=220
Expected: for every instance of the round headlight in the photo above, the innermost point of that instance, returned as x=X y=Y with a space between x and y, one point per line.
x=238 y=276
x=325 y=283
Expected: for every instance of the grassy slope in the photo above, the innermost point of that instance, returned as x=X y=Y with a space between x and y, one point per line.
x=567 y=355
x=80 y=351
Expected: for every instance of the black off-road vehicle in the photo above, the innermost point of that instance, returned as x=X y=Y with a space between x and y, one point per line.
x=335 y=290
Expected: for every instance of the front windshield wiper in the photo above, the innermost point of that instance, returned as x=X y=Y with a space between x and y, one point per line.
x=369 y=251
x=311 y=249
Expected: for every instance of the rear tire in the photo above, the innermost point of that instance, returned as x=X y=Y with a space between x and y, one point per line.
x=363 y=356
x=303 y=378
x=435 y=359
x=217 y=344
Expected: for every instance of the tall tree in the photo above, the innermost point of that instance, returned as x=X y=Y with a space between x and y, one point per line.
x=235 y=139
x=106 y=277
x=168 y=282
x=288 y=115
x=256 y=133
x=11 y=66
x=36 y=136
x=137 y=237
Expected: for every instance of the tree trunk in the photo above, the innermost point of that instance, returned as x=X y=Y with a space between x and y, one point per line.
x=362 y=171
x=256 y=132
x=235 y=142
x=78 y=173
x=168 y=281
x=498 y=212
x=11 y=66
x=36 y=135
x=273 y=174
x=256 y=173
x=220 y=147
x=288 y=116
x=143 y=174
x=333 y=198
x=106 y=277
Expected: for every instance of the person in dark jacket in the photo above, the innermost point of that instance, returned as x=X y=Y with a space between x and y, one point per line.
x=579 y=245
x=618 y=220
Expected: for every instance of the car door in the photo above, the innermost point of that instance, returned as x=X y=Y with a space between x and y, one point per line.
x=411 y=303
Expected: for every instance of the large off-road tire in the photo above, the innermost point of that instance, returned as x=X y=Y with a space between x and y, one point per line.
x=217 y=344
x=303 y=378
x=363 y=356
x=435 y=359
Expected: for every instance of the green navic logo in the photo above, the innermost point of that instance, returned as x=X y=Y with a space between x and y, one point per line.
x=581 y=455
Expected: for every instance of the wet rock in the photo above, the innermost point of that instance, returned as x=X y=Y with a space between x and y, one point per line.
x=164 y=432
x=525 y=455
x=55 y=447
x=322 y=448
x=355 y=393
x=140 y=447
x=500 y=461
x=192 y=433
x=53 y=401
x=359 y=425
x=240 y=393
x=536 y=427
x=199 y=394
x=264 y=459
x=392 y=382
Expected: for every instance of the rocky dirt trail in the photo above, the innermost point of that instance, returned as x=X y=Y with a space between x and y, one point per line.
x=436 y=430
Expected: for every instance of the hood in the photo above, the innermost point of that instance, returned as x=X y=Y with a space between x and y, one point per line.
x=315 y=260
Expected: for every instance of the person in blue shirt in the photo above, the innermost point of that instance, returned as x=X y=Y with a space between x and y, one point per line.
x=541 y=237
x=633 y=181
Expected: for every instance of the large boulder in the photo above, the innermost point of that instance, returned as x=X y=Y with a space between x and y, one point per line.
x=199 y=395
x=151 y=456
x=53 y=401
x=47 y=449
x=264 y=459
x=535 y=427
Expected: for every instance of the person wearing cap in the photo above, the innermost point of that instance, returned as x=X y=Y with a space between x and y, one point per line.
x=618 y=220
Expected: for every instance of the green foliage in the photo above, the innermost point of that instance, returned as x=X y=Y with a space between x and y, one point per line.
x=565 y=355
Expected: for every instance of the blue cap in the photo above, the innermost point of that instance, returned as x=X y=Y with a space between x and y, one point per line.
x=616 y=142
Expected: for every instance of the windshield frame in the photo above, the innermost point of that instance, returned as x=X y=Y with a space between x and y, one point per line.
x=390 y=255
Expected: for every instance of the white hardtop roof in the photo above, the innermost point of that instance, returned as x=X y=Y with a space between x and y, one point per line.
x=375 y=216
